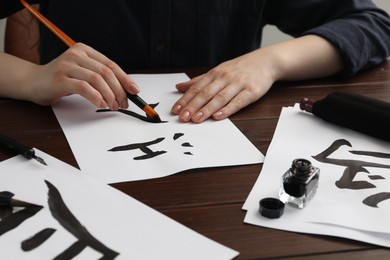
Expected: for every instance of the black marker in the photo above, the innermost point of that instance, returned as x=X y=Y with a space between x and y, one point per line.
x=360 y=113
x=25 y=151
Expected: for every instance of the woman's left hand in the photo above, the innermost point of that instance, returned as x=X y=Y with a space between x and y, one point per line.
x=223 y=90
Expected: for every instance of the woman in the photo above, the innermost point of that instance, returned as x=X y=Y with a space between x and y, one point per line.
x=331 y=39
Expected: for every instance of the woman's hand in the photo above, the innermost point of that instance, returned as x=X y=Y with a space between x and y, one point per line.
x=223 y=90
x=84 y=71
x=234 y=84
x=79 y=70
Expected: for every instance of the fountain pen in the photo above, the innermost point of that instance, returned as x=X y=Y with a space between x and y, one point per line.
x=25 y=151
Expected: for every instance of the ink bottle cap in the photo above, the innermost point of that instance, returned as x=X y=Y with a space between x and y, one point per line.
x=299 y=183
x=271 y=207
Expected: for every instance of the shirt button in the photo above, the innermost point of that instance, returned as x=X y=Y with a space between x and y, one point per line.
x=160 y=47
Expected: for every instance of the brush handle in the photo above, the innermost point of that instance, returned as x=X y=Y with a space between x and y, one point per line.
x=137 y=100
x=52 y=27
x=12 y=144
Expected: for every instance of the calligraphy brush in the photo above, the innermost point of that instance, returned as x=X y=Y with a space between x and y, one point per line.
x=137 y=100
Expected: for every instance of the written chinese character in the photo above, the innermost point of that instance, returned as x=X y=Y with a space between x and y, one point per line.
x=11 y=219
x=144 y=147
x=355 y=167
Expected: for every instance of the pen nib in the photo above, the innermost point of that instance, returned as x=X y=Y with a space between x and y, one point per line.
x=39 y=159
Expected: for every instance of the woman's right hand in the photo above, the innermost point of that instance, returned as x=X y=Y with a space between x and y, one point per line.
x=84 y=71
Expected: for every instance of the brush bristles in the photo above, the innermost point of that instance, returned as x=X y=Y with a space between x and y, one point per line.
x=152 y=113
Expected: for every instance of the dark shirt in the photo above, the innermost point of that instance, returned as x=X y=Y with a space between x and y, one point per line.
x=193 y=33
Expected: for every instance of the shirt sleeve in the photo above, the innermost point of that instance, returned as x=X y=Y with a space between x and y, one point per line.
x=357 y=28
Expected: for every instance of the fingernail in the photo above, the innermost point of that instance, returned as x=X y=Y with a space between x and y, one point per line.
x=176 y=109
x=103 y=104
x=115 y=105
x=218 y=115
x=185 y=116
x=134 y=86
x=124 y=104
x=197 y=116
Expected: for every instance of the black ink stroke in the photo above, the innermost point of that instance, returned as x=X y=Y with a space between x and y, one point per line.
x=134 y=114
x=6 y=194
x=323 y=157
x=75 y=249
x=375 y=199
x=177 y=136
x=376 y=177
x=186 y=144
x=353 y=167
x=10 y=220
x=346 y=181
x=63 y=215
x=373 y=154
x=143 y=147
x=6 y=211
x=37 y=240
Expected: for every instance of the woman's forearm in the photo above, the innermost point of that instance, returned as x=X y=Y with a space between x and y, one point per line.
x=302 y=58
x=14 y=77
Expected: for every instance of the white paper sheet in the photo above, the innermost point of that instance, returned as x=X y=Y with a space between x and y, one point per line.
x=91 y=135
x=116 y=222
x=334 y=210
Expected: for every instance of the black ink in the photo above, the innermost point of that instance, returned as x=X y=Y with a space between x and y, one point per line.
x=375 y=199
x=37 y=240
x=185 y=144
x=134 y=114
x=373 y=154
x=75 y=249
x=5 y=197
x=143 y=147
x=6 y=194
x=353 y=167
x=299 y=183
x=63 y=215
x=5 y=211
x=323 y=157
x=10 y=220
x=347 y=182
x=177 y=136
x=376 y=177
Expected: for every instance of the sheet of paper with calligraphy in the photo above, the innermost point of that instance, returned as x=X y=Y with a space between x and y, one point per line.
x=77 y=217
x=353 y=195
x=116 y=146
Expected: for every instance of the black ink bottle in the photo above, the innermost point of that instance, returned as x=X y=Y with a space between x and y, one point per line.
x=299 y=183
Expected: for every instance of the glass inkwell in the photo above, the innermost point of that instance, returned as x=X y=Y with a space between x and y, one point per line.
x=299 y=183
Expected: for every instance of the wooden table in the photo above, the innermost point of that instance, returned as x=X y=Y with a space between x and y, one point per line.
x=209 y=201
